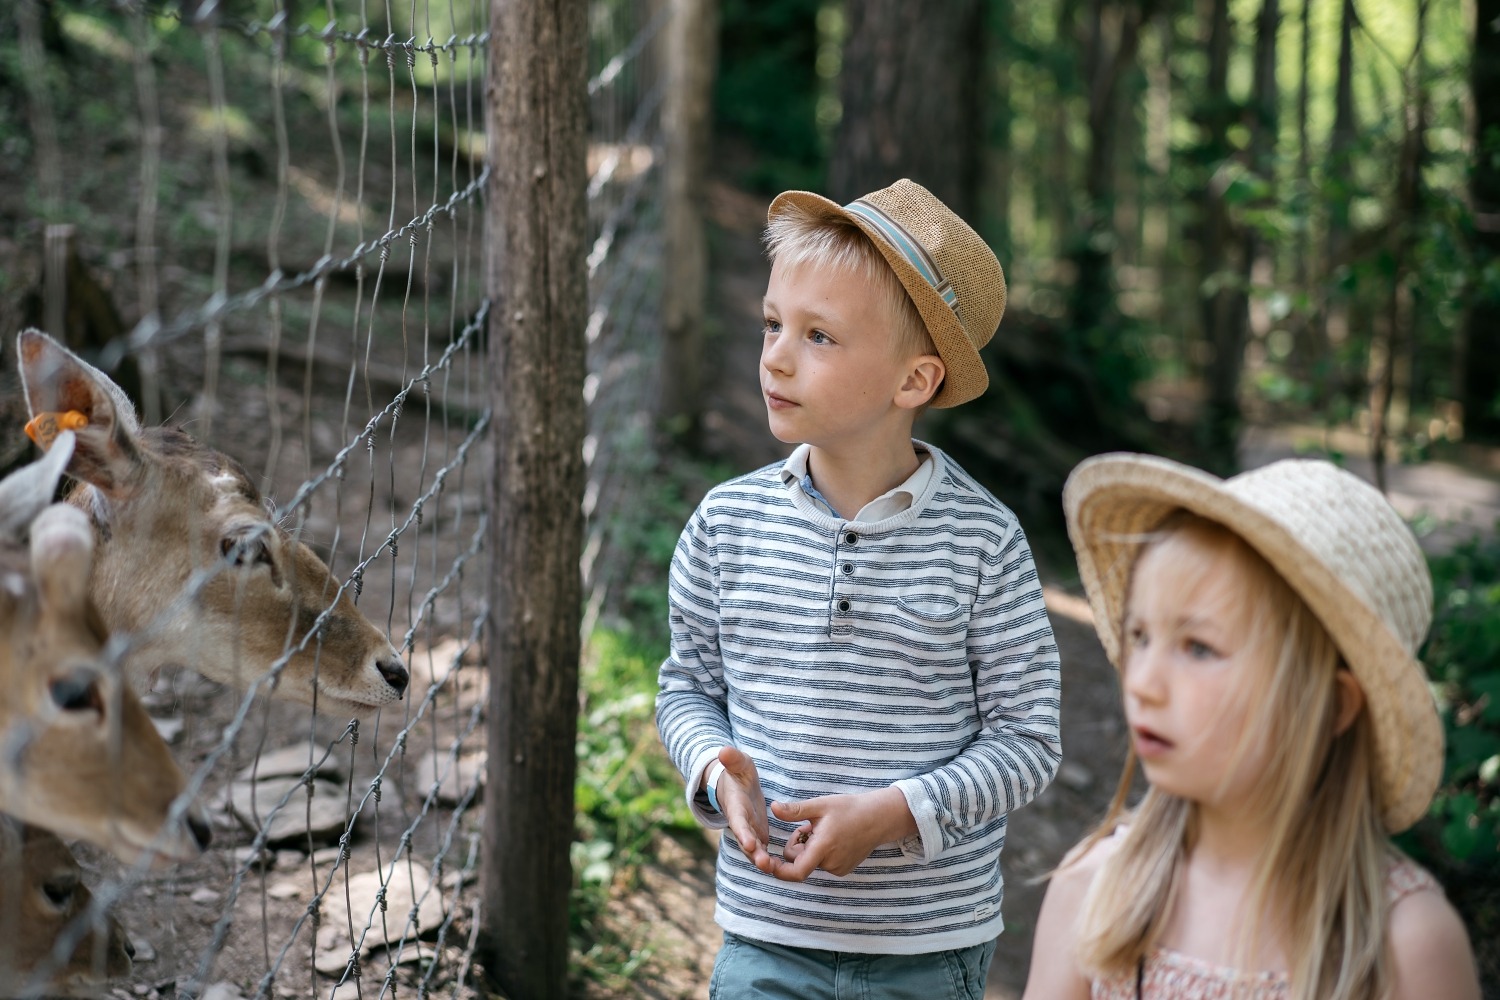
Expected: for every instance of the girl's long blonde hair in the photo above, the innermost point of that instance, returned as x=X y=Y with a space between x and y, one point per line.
x=1319 y=887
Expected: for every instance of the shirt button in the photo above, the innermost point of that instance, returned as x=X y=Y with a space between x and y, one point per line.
x=843 y=605
x=851 y=538
x=847 y=568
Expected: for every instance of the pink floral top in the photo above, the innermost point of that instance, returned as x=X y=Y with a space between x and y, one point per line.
x=1170 y=975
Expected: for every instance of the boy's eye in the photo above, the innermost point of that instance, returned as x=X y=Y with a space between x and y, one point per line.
x=819 y=337
x=1135 y=636
x=771 y=326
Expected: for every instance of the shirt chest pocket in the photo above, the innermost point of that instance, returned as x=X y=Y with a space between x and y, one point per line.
x=936 y=609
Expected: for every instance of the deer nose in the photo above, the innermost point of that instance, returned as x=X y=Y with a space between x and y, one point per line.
x=202 y=832
x=394 y=672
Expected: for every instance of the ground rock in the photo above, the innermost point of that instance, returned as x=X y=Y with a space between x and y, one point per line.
x=293 y=823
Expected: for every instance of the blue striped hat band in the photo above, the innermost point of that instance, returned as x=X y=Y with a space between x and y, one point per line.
x=897 y=236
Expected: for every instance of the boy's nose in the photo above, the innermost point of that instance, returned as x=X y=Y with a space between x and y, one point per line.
x=774 y=357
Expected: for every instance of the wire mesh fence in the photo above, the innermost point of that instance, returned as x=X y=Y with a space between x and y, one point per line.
x=261 y=221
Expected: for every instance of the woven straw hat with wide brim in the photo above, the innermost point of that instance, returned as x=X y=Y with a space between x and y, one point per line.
x=947 y=269
x=1336 y=542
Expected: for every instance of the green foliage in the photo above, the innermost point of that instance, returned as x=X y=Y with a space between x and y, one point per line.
x=628 y=792
x=1463 y=656
x=766 y=95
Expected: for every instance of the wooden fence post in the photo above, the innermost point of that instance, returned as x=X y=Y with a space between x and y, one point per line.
x=690 y=45
x=537 y=285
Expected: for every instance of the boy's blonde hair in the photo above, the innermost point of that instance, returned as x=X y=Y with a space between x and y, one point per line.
x=797 y=238
x=1321 y=881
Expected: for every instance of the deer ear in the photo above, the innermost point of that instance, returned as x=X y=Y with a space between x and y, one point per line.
x=28 y=491
x=57 y=381
x=62 y=554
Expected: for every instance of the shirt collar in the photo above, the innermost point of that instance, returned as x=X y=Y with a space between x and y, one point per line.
x=889 y=503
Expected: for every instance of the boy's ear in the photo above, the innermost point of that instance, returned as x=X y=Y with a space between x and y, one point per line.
x=922 y=382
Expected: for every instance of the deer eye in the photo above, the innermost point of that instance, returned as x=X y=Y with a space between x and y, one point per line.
x=77 y=692
x=246 y=550
x=59 y=890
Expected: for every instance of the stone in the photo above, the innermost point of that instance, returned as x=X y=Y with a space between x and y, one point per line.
x=285 y=889
x=293 y=762
x=145 y=951
x=1075 y=776
x=170 y=729
x=294 y=822
x=458 y=774
x=204 y=896
x=221 y=991
x=384 y=930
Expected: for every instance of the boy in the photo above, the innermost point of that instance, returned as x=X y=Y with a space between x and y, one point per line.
x=858 y=635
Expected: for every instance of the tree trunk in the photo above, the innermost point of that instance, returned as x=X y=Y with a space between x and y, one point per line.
x=1308 y=343
x=910 y=88
x=1257 y=266
x=1114 y=34
x=536 y=95
x=686 y=120
x=1394 y=332
x=1481 y=350
x=1222 y=300
x=1334 y=314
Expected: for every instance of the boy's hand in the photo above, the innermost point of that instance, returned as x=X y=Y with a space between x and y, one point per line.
x=744 y=805
x=840 y=832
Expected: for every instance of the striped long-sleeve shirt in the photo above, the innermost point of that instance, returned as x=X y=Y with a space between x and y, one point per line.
x=847 y=656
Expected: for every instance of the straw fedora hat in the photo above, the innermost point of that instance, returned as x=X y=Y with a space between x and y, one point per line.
x=947 y=269
x=1336 y=542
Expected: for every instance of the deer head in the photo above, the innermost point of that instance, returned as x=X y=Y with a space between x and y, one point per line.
x=41 y=895
x=165 y=507
x=78 y=753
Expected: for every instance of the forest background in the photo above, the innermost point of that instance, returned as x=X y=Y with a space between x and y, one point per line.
x=1217 y=218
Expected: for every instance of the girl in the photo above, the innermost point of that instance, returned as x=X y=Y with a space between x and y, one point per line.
x=1265 y=628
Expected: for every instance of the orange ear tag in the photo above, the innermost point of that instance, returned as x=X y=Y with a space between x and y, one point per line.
x=44 y=427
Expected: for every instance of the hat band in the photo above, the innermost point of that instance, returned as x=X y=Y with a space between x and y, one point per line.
x=898 y=237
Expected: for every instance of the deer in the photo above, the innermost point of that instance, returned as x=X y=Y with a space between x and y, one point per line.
x=166 y=507
x=78 y=753
x=41 y=896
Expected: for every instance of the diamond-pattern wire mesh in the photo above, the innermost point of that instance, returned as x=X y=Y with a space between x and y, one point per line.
x=302 y=269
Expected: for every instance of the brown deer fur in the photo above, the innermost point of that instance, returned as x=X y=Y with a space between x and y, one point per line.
x=78 y=753
x=41 y=895
x=164 y=508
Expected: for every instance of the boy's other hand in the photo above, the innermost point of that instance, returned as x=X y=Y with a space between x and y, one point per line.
x=744 y=805
x=839 y=831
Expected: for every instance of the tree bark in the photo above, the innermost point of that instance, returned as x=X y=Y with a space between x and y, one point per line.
x=1113 y=38
x=910 y=88
x=538 y=289
x=1394 y=332
x=1222 y=298
x=686 y=121
x=1334 y=314
x=1480 y=371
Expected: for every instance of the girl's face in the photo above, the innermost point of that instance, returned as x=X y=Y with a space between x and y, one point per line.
x=1193 y=668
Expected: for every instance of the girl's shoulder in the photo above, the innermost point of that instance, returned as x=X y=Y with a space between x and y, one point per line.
x=1081 y=864
x=1427 y=941
x=1404 y=877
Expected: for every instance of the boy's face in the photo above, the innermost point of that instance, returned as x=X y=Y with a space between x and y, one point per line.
x=829 y=368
